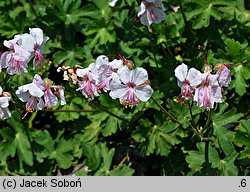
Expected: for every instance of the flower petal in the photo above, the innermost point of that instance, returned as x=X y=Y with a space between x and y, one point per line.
x=49 y=98
x=34 y=90
x=40 y=104
x=116 y=63
x=4 y=113
x=101 y=60
x=181 y=72
x=118 y=90
x=144 y=93
x=4 y=102
x=81 y=72
x=61 y=92
x=138 y=76
x=194 y=77
x=27 y=42
x=142 y=9
x=39 y=82
x=37 y=35
x=124 y=74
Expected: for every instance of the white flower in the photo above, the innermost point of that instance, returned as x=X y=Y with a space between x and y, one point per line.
x=16 y=59
x=4 y=103
x=112 y=3
x=106 y=71
x=187 y=80
x=31 y=94
x=208 y=92
x=88 y=84
x=34 y=42
x=132 y=86
x=151 y=11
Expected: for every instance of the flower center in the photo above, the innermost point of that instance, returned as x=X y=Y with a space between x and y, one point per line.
x=131 y=85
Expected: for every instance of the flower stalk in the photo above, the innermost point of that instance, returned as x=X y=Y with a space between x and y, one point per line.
x=166 y=112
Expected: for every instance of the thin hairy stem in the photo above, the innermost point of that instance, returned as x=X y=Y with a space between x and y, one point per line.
x=109 y=112
x=166 y=112
x=65 y=110
x=122 y=161
x=208 y=120
x=191 y=114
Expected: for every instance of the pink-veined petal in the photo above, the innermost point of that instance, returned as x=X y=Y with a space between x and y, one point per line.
x=49 y=98
x=155 y=15
x=213 y=80
x=61 y=92
x=39 y=82
x=10 y=43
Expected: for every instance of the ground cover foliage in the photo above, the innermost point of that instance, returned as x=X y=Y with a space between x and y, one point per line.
x=166 y=135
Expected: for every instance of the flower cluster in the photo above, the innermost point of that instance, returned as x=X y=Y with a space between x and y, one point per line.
x=22 y=49
x=204 y=88
x=39 y=95
x=122 y=82
x=4 y=103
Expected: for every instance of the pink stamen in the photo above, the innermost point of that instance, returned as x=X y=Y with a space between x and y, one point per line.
x=105 y=82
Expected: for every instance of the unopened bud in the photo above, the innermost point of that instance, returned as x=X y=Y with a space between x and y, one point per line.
x=6 y=94
x=129 y=64
x=207 y=69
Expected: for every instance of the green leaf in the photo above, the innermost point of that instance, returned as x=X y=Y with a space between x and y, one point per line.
x=107 y=156
x=154 y=138
x=62 y=154
x=93 y=154
x=123 y=170
x=206 y=9
x=45 y=144
x=196 y=160
x=233 y=48
x=7 y=145
x=91 y=132
x=68 y=57
x=225 y=139
x=243 y=134
x=220 y=120
x=227 y=166
x=24 y=148
x=240 y=82
x=110 y=126
x=101 y=4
